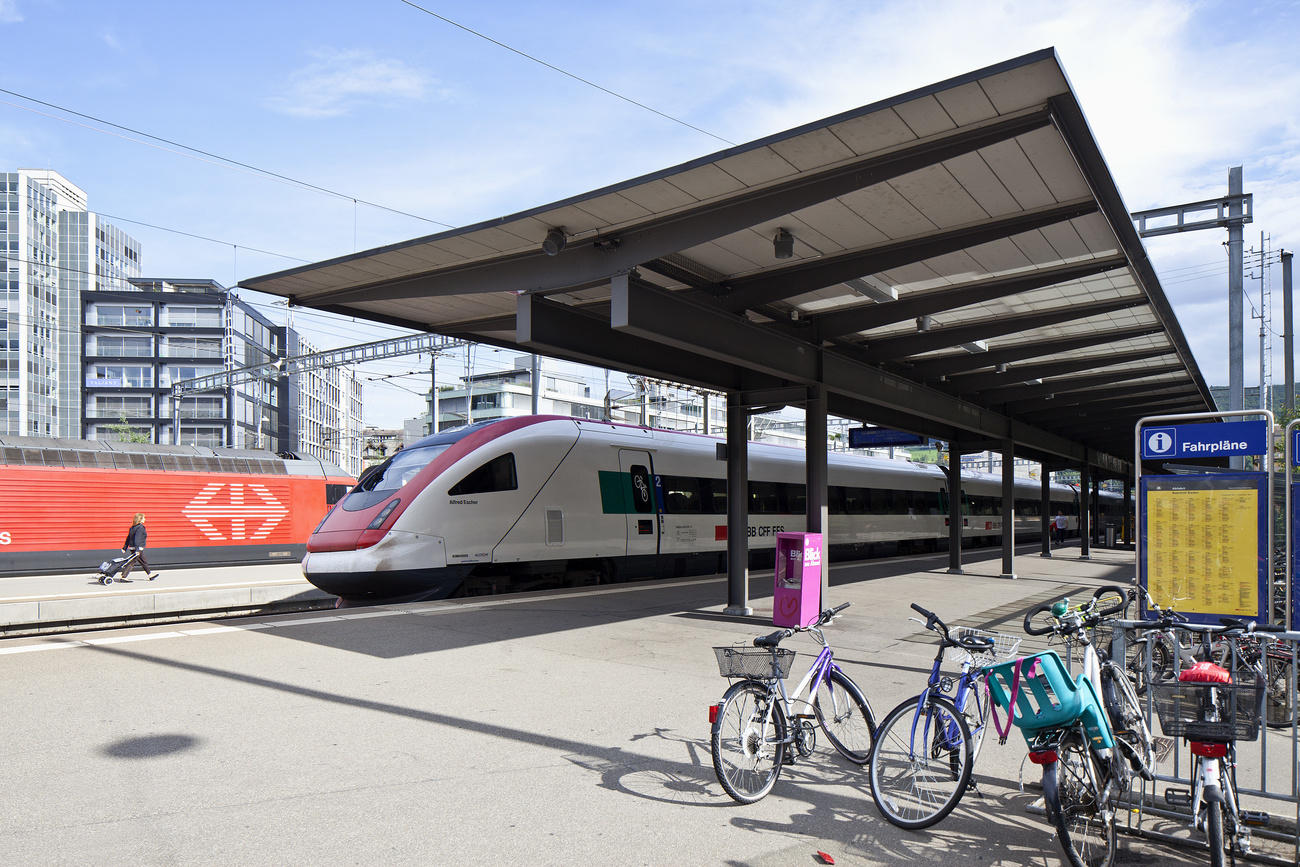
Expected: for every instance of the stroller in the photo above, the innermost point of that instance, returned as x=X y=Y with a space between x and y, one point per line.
x=110 y=569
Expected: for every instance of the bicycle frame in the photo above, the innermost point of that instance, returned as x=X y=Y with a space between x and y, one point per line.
x=967 y=686
x=818 y=674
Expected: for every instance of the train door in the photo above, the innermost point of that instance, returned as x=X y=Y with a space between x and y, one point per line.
x=643 y=514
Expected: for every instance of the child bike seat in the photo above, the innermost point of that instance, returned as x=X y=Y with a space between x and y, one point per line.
x=1046 y=697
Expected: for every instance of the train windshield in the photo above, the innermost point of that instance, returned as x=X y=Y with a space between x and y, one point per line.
x=400 y=469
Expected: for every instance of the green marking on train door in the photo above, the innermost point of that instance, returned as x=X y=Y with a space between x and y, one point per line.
x=615 y=493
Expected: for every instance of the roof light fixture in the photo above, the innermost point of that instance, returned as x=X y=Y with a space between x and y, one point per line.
x=1001 y=368
x=974 y=346
x=923 y=323
x=783 y=244
x=866 y=289
x=554 y=241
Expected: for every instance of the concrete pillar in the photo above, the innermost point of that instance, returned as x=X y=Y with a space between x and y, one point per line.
x=1085 y=512
x=954 y=509
x=1008 y=510
x=737 y=449
x=815 y=466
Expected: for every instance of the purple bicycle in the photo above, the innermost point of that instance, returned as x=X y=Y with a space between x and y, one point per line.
x=759 y=726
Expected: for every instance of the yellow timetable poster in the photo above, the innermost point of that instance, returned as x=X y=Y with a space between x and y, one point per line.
x=1203 y=550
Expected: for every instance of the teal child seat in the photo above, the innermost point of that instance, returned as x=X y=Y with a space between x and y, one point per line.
x=1047 y=697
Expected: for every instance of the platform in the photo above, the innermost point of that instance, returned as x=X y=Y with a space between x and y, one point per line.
x=564 y=727
x=45 y=604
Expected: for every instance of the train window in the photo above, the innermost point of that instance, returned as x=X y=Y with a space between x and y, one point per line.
x=764 y=498
x=855 y=501
x=642 y=499
x=713 y=493
x=877 y=501
x=334 y=493
x=497 y=474
x=794 y=499
x=682 y=495
x=835 y=500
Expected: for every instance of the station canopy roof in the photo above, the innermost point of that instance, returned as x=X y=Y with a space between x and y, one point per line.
x=958 y=264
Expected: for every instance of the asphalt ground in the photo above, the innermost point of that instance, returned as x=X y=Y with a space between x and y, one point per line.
x=566 y=727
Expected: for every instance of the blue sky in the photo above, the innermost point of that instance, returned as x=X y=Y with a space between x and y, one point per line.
x=382 y=102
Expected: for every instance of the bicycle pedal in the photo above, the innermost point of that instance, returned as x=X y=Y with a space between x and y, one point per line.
x=1257 y=818
x=788 y=759
x=1178 y=797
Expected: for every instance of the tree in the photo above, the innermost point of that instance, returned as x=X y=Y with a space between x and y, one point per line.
x=127 y=434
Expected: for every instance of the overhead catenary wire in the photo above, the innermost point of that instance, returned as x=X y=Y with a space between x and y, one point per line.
x=207 y=154
x=565 y=72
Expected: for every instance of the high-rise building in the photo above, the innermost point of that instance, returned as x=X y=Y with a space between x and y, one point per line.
x=142 y=339
x=53 y=249
x=322 y=410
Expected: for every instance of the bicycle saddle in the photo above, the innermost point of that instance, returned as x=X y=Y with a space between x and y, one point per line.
x=1205 y=672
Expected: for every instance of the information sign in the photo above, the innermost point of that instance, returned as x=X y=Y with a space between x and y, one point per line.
x=1205 y=544
x=1205 y=440
x=871 y=437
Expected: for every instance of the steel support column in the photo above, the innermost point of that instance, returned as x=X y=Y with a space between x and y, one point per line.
x=954 y=509
x=1045 y=514
x=815 y=465
x=1128 y=511
x=737 y=507
x=1008 y=509
x=1085 y=512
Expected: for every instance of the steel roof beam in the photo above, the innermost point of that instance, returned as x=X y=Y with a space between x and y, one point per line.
x=1015 y=375
x=998 y=396
x=893 y=348
x=555 y=329
x=773 y=285
x=1050 y=412
x=868 y=316
x=1156 y=389
x=597 y=258
x=640 y=310
x=931 y=369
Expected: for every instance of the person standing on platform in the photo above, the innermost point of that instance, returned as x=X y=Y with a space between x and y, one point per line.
x=1058 y=528
x=134 y=544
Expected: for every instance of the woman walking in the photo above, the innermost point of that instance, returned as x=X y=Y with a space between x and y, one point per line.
x=135 y=542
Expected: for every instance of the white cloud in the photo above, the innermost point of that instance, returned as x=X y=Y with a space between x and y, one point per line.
x=9 y=13
x=336 y=82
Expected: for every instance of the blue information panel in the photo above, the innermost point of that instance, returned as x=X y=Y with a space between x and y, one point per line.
x=1293 y=568
x=1205 y=544
x=1295 y=448
x=1190 y=441
x=872 y=437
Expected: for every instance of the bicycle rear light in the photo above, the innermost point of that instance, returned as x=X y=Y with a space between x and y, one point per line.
x=1042 y=757
x=1208 y=749
x=713 y=712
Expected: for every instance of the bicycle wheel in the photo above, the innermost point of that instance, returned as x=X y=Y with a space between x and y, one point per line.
x=1279 y=704
x=1214 y=824
x=1084 y=827
x=1126 y=716
x=748 y=741
x=1161 y=665
x=845 y=716
x=918 y=775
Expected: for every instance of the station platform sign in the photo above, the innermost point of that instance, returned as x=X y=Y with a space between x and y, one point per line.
x=1196 y=441
x=877 y=437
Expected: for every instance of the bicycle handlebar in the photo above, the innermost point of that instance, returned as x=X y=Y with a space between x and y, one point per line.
x=970 y=643
x=1118 y=608
x=1036 y=630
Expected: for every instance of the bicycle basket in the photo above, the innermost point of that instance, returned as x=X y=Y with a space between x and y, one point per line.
x=1004 y=645
x=1181 y=706
x=761 y=663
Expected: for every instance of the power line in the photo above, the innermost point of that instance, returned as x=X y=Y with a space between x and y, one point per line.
x=564 y=72
x=200 y=152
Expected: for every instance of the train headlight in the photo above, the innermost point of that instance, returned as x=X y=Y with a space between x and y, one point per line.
x=383 y=515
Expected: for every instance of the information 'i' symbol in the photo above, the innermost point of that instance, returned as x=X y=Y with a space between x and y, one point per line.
x=1160 y=442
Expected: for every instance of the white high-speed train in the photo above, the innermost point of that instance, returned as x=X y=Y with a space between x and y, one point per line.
x=517 y=502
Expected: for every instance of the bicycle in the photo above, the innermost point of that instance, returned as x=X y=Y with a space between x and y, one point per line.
x=755 y=725
x=1088 y=733
x=925 y=748
x=1213 y=712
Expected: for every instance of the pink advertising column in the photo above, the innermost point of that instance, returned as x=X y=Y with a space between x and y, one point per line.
x=797 y=594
